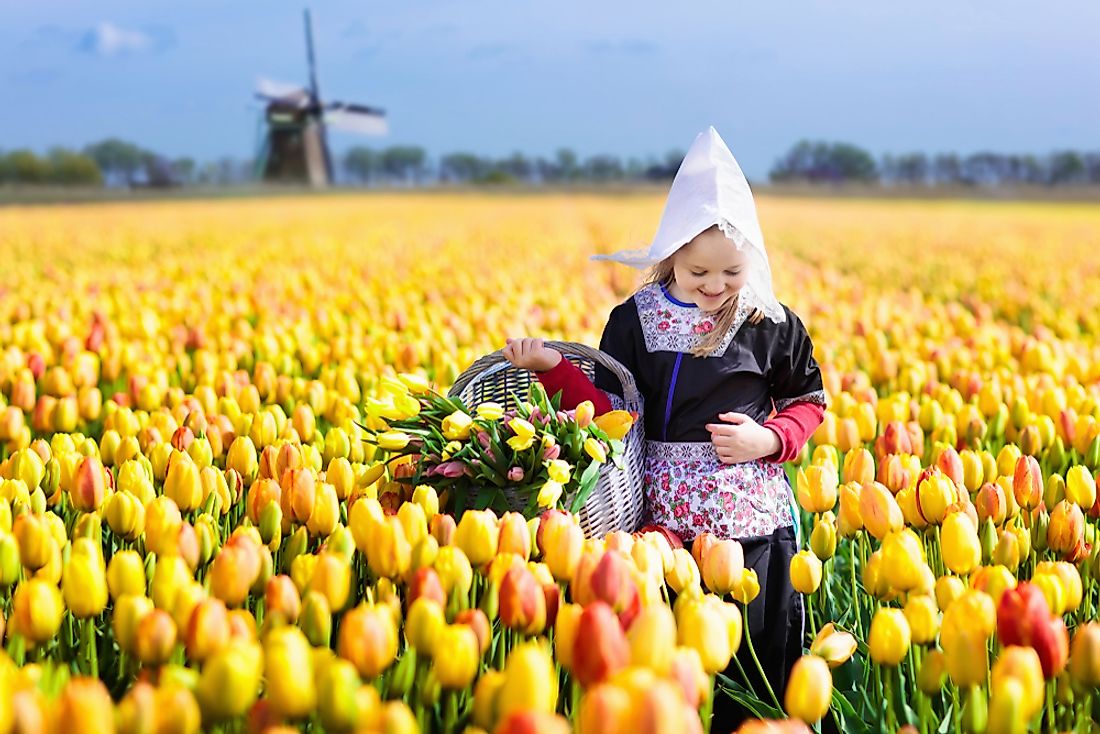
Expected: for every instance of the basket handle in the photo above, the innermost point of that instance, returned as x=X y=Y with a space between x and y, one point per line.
x=496 y=361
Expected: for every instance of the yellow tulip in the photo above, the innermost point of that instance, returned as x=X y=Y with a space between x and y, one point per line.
x=456 y=656
x=889 y=637
x=962 y=552
x=805 y=571
x=834 y=646
x=530 y=683
x=809 y=689
x=616 y=423
x=817 y=488
x=595 y=449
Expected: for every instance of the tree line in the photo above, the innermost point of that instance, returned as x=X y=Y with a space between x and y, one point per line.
x=115 y=162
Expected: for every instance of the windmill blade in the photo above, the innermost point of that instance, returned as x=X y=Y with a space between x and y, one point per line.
x=282 y=91
x=355 y=118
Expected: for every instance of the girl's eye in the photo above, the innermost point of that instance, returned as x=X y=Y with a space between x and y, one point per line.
x=698 y=274
x=733 y=272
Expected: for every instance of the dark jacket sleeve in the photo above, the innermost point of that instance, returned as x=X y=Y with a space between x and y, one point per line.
x=796 y=389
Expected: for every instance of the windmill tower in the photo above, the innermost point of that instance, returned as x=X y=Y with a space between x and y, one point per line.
x=295 y=145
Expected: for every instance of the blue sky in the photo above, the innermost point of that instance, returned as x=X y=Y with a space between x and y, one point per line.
x=629 y=78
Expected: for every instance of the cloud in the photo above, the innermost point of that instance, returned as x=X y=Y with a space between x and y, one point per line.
x=108 y=40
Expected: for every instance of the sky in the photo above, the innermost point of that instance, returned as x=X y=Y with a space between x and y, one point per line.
x=630 y=78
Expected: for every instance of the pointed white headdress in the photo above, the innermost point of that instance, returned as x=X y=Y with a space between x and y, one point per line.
x=710 y=189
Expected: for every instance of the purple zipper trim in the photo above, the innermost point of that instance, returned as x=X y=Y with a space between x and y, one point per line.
x=671 y=390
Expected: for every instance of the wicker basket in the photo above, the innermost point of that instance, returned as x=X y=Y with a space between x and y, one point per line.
x=616 y=502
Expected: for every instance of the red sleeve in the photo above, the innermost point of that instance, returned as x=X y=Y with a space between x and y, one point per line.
x=794 y=425
x=575 y=387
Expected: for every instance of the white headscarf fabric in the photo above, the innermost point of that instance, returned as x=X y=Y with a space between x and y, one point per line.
x=710 y=189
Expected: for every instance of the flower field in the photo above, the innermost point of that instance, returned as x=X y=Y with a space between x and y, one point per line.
x=198 y=534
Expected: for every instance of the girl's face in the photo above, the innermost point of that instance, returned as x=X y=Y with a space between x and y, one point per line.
x=709 y=270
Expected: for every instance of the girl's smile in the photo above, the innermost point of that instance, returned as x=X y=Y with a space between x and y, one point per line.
x=709 y=270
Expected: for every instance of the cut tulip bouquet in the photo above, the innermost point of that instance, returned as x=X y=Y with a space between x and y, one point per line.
x=525 y=457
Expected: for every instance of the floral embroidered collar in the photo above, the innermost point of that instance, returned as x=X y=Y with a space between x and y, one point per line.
x=670 y=325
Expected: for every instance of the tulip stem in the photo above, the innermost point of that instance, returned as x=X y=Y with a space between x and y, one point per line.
x=891 y=714
x=89 y=643
x=1052 y=691
x=855 y=593
x=756 y=660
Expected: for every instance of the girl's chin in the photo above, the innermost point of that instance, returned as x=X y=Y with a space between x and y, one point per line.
x=711 y=303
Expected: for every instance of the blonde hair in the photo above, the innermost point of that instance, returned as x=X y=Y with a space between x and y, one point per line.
x=662 y=274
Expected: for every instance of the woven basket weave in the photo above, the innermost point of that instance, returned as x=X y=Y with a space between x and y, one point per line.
x=616 y=501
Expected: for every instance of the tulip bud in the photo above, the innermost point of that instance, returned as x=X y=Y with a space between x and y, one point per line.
x=84 y=583
x=959 y=543
x=823 y=537
x=1027 y=483
x=805 y=570
x=889 y=637
x=456 y=656
x=529 y=680
x=702 y=625
x=749 y=587
x=368 y=638
x=722 y=566
x=990 y=503
x=933 y=670
x=600 y=648
x=1084 y=659
x=126 y=515
x=809 y=689
x=652 y=638
x=859 y=466
x=182 y=484
x=84 y=706
x=879 y=510
x=155 y=638
x=288 y=673
x=37 y=610
x=1020 y=665
x=817 y=488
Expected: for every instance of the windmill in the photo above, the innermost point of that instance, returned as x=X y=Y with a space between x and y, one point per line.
x=295 y=146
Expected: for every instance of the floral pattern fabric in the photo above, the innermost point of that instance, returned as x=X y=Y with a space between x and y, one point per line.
x=669 y=327
x=690 y=491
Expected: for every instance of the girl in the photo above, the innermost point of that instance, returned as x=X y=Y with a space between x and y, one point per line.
x=730 y=386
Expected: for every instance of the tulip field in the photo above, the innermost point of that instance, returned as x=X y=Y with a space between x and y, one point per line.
x=197 y=533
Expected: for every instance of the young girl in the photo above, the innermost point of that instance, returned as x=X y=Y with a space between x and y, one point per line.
x=730 y=386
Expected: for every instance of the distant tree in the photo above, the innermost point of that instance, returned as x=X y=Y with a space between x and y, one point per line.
x=26 y=167
x=566 y=161
x=825 y=162
x=516 y=165
x=68 y=168
x=601 y=168
x=1067 y=167
x=462 y=167
x=404 y=162
x=946 y=169
x=183 y=170
x=913 y=168
x=1092 y=167
x=117 y=159
x=158 y=170
x=635 y=168
x=362 y=164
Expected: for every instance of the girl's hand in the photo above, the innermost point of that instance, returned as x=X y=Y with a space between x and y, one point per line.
x=740 y=439
x=531 y=354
